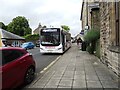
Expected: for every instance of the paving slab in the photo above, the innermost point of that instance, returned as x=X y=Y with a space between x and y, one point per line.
x=110 y=84
x=79 y=77
x=80 y=72
x=92 y=78
x=53 y=82
x=94 y=84
x=79 y=84
x=65 y=83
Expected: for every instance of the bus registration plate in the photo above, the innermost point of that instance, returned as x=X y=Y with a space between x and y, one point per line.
x=50 y=47
x=49 y=50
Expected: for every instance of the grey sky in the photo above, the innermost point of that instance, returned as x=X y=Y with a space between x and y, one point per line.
x=46 y=12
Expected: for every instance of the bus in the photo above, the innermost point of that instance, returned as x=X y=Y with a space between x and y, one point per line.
x=54 y=40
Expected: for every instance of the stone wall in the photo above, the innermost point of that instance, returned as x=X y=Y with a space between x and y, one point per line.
x=109 y=56
x=113 y=58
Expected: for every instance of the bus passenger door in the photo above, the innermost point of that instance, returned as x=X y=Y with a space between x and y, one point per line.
x=63 y=42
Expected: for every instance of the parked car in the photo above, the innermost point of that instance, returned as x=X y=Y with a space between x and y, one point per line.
x=28 y=45
x=17 y=67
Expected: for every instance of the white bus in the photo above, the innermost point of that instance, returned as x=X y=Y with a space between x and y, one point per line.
x=54 y=40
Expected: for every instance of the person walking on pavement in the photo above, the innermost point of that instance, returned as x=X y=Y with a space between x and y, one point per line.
x=78 y=42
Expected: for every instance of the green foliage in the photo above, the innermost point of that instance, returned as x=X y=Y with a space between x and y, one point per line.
x=44 y=26
x=64 y=27
x=92 y=35
x=19 y=26
x=30 y=37
x=90 y=49
x=98 y=49
x=2 y=25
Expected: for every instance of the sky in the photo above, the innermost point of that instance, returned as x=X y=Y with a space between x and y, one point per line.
x=47 y=12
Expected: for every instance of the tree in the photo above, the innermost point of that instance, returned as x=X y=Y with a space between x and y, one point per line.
x=33 y=37
x=66 y=28
x=44 y=26
x=2 y=25
x=19 y=26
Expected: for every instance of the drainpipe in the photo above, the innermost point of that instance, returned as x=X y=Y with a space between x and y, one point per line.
x=86 y=27
x=87 y=12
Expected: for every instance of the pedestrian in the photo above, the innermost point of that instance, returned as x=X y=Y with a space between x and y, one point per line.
x=78 y=42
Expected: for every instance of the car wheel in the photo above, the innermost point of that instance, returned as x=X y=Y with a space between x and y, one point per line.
x=29 y=76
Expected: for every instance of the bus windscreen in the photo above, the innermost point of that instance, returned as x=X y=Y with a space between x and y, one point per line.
x=50 y=37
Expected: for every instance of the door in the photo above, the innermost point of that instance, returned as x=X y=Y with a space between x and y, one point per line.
x=63 y=41
x=12 y=69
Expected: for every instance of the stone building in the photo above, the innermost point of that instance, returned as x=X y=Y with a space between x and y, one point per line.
x=110 y=34
x=106 y=16
x=84 y=15
x=37 y=30
x=90 y=14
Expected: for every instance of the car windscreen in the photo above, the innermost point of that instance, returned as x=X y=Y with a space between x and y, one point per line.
x=50 y=38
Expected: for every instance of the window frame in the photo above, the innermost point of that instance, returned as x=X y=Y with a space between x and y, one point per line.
x=12 y=52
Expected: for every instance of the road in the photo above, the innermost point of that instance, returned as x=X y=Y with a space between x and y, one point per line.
x=42 y=60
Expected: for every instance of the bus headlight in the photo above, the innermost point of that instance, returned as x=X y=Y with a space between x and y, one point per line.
x=59 y=48
x=41 y=48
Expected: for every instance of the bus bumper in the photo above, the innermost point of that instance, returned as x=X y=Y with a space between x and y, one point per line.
x=51 y=51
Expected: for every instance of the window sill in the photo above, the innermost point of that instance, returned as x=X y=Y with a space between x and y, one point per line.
x=115 y=49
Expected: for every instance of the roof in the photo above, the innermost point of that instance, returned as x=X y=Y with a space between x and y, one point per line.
x=8 y=35
x=79 y=36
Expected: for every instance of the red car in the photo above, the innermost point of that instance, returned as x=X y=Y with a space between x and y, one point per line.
x=17 y=67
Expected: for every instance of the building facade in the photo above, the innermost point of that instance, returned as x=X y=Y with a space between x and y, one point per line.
x=90 y=14
x=110 y=34
x=37 y=30
x=106 y=17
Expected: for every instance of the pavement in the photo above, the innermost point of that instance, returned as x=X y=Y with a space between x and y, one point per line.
x=77 y=70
